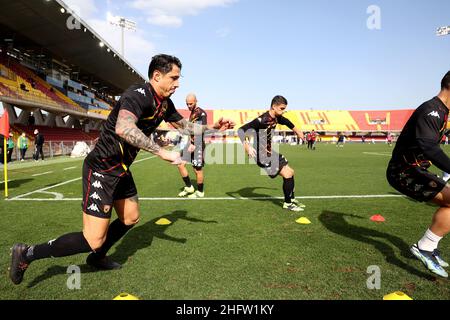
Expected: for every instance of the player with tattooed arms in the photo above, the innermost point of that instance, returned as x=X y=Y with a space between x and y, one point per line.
x=107 y=180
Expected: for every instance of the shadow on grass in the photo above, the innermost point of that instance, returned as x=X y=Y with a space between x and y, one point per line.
x=336 y=223
x=250 y=192
x=138 y=238
x=15 y=183
x=142 y=237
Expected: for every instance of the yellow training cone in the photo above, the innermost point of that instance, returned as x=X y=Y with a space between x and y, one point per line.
x=126 y=296
x=163 y=222
x=398 y=295
x=303 y=220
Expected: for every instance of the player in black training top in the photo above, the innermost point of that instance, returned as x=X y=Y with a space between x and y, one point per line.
x=273 y=163
x=194 y=152
x=416 y=149
x=107 y=180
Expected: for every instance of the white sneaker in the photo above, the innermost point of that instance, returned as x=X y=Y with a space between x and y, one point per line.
x=295 y=201
x=197 y=194
x=292 y=207
x=187 y=191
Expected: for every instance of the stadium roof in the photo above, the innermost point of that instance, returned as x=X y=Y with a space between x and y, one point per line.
x=43 y=25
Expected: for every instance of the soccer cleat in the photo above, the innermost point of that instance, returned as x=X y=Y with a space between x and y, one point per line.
x=295 y=201
x=104 y=263
x=429 y=260
x=437 y=255
x=292 y=207
x=187 y=191
x=196 y=194
x=18 y=263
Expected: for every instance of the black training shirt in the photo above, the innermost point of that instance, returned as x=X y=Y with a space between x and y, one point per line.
x=198 y=116
x=112 y=154
x=420 y=138
x=262 y=130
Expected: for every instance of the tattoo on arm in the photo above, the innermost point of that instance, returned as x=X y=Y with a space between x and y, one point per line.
x=188 y=128
x=126 y=129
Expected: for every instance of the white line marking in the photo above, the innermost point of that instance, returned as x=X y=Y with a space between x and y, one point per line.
x=45 y=189
x=4 y=181
x=234 y=199
x=58 y=196
x=41 y=174
x=19 y=197
x=378 y=154
x=71 y=168
x=145 y=159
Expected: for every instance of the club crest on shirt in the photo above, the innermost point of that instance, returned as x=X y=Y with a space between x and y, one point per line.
x=106 y=208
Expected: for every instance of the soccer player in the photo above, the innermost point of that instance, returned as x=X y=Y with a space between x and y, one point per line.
x=341 y=140
x=195 y=149
x=107 y=180
x=275 y=164
x=416 y=148
x=313 y=139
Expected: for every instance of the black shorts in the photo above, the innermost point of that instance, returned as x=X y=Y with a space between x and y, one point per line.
x=196 y=158
x=415 y=182
x=273 y=164
x=101 y=190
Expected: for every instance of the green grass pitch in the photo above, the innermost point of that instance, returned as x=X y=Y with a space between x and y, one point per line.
x=228 y=247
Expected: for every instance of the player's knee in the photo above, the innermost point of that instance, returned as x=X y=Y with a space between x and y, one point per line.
x=131 y=221
x=291 y=172
x=95 y=242
x=288 y=173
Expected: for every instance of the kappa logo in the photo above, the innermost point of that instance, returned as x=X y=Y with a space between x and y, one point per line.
x=97 y=185
x=434 y=114
x=95 y=196
x=141 y=91
x=98 y=175
x=94 y=208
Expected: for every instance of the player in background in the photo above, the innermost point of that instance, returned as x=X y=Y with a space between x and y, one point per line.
x=260 y=129
x=194 y=150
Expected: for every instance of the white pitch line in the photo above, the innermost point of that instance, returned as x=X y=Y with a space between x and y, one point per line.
x=20 y=197
x=377 y=154
x=234 y=199
x=45 y=189
x=70 y=168
x=145 y=159
x=41 y=174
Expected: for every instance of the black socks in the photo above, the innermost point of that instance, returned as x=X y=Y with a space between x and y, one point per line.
x=288 y=189
x=187 y=181
x=66 y=245
x=117 y=229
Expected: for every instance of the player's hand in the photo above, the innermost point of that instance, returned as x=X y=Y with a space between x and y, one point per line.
x=171 y=156
x=250 y=151
x=224 y=124
x=191 y=148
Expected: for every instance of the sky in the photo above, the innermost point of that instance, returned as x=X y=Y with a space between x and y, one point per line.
x=320 y=55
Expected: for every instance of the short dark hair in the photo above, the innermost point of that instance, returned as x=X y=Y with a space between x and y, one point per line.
x=277 y=100
x=163 y=63
x=445 y=83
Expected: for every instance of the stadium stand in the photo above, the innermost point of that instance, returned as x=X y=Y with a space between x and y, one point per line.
x=392 y=120
x=23 y=83
x=58 y=134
